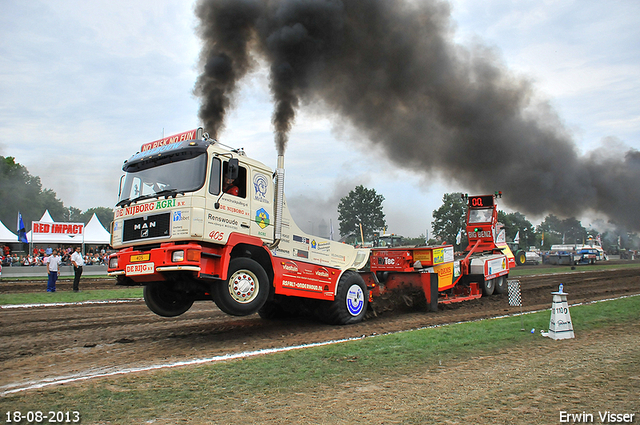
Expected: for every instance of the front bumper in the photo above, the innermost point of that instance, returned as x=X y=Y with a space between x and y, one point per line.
x=148 y=264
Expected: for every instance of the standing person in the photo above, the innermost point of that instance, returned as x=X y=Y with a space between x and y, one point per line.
x=52 y=270
x=78 y=262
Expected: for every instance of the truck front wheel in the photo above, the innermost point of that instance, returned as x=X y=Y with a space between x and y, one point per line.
x=163 y=301
x=246 y=289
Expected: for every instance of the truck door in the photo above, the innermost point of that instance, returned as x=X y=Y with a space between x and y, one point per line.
x=228 y=207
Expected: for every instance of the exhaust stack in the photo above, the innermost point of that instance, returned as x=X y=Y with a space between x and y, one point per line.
x=279 y=201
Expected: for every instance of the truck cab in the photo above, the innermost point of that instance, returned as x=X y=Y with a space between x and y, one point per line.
x=196 y=220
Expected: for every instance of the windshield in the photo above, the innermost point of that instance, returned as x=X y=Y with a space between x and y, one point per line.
x=480 y=216
x=390 y=241
x=173 y=177
x=384 y=241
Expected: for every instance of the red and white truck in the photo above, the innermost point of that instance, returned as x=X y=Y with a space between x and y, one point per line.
x=198 y=221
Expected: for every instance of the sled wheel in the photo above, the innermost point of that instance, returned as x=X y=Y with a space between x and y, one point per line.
x=488 y=286
x=163 y=301
x=350 y=304
x=245 y=290
x=501 y=285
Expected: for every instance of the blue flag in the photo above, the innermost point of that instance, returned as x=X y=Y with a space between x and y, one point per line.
x=22 y=233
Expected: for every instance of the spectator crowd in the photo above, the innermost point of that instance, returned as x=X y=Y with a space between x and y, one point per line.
x=39 y=255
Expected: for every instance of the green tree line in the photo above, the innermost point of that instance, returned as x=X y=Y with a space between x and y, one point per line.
x=20 y=191
x=450 y=217
x=360 y=214
x=363 y=206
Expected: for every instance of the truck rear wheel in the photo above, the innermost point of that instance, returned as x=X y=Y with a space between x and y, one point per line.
x=163 y=301
x=246 y=289
x=501 y=285
x=350 y=304
x=272 y=310
x=488 y=287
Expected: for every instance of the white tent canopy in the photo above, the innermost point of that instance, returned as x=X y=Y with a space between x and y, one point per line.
x=46 y=217
x=6 y=235
x=44 y=239
x=94 y=234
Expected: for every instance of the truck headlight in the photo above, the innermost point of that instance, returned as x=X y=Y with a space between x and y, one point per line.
x=113 y=262
x=177 y=256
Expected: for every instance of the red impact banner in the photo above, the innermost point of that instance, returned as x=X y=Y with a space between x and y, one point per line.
x=39 y=227
x=180 y=137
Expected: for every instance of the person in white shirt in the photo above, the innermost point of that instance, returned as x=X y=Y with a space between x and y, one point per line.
x=52 y=268
x=78 y=261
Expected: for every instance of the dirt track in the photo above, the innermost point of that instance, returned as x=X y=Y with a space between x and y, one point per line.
x=46 y=342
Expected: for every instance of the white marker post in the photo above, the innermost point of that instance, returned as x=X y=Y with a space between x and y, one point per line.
x=560 y=326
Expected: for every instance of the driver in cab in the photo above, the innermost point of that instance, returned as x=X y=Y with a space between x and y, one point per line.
x=230 y=187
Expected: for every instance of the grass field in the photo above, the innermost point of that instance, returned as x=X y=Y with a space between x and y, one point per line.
x=189 y=394
x=66 y=278
x=70 y=297
x=527 y=271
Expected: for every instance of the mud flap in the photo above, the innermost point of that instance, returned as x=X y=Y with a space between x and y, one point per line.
x=430 y=288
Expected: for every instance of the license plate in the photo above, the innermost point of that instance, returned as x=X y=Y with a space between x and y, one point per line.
x=141 y=257
x=138 y=269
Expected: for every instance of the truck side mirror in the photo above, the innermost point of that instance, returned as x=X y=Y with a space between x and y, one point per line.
x=120 y=188
x=233 y=169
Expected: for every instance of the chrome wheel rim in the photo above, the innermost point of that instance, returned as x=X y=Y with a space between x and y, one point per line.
x=243 y=286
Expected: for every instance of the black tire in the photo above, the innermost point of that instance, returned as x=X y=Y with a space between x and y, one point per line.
x=520 y=257
x=272 y=310
x=488 y=287
x=501 y=285
x=350 y=303
x=163 y=301
x=246 y=289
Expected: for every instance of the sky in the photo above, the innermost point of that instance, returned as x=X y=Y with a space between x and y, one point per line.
x=84 y=84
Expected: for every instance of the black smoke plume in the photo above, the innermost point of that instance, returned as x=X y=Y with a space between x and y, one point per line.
x=391 y=69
